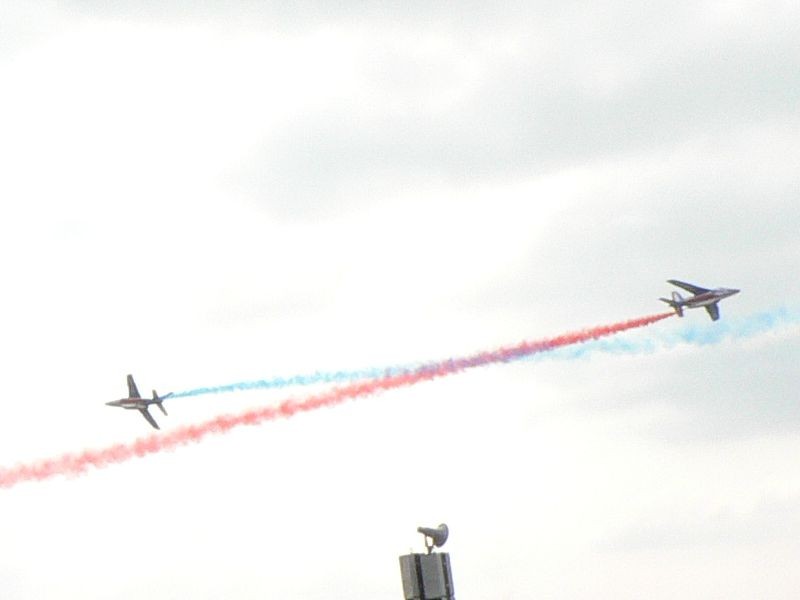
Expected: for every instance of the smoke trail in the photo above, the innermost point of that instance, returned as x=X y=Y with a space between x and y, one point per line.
x=735 y=327
x=74 y=464
x=696 y=333
x=692 y=333
x=281 y=382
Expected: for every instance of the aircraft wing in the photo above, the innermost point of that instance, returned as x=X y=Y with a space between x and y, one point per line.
x=695 y=289
x=133 y=392
x=713 y=311
x=146 y=414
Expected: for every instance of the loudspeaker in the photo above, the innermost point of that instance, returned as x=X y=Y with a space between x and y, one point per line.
x=438 y=535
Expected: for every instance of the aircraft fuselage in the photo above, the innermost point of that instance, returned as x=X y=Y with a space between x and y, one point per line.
x=131 y=403
x=709 y=297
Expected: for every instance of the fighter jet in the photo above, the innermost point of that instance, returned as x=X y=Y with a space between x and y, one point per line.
x=135 y=401
x=702 y=297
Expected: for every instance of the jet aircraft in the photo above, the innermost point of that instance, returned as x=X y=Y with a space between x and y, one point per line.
x=135 y=401
x=708 y=299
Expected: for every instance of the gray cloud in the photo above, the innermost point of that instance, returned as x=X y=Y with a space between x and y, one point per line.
x=544 y=109
x=444 y=16
x=25 y=23
x=768 y=522
x=721 y=393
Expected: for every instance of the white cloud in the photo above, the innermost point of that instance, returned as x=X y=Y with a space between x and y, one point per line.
x=201 y=195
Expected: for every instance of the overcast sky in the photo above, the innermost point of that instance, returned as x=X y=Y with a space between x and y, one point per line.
x=205 y=193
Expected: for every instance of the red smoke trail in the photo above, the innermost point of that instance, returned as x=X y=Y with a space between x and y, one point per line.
x=74 y=464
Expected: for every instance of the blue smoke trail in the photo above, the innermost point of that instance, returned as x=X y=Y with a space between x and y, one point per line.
x=697 y=333
x=281 y=382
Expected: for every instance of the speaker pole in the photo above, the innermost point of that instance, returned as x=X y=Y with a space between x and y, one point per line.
x=428 y=576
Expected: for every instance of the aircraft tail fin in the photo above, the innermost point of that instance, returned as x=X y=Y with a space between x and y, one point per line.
x=159 y=402
x=676 y=303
